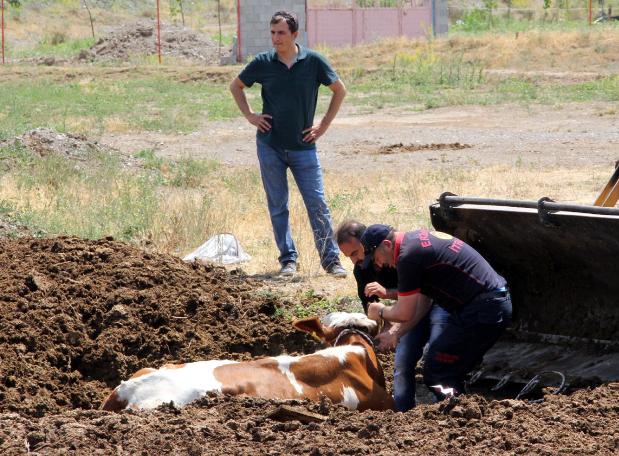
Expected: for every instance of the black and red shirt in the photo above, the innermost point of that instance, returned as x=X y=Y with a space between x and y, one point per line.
x=443 y=268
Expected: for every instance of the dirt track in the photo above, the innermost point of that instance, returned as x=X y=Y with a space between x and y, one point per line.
x=78 y=316
x=568 y=136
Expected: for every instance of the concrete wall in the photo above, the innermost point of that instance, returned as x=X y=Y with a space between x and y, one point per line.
x=441 y=17
x=254 y=27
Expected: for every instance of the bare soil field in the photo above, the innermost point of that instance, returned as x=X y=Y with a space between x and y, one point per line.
x=566 y=136
x=79 y=316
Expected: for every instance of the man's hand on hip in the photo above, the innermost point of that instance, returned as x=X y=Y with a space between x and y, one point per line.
x=313 y=133
x=260 y=121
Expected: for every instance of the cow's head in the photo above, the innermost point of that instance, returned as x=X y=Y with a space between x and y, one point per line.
x=333 y=324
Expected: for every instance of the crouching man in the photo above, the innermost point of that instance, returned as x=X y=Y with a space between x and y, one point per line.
x=374 y=284
x=436 y=267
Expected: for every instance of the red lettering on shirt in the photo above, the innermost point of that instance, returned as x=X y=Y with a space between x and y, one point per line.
x=446 y=358
x=456 y=245
x=424 y=239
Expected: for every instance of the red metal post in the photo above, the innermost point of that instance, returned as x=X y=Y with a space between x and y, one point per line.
x=590 y=12
x=158 y=33
x=2 y=32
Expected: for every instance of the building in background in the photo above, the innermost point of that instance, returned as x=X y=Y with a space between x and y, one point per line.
x=347 y=25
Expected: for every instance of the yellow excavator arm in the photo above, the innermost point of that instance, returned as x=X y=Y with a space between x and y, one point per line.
x=610 y=193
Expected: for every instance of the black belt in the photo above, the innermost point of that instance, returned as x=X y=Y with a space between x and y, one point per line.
x=498 y=293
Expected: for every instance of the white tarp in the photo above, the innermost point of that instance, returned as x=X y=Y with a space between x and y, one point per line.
x=222 y=248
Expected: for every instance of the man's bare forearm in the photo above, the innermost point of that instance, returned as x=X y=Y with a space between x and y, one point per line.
x=408 y=309
x=238 y=93
x=339 y=93
x=403 y=328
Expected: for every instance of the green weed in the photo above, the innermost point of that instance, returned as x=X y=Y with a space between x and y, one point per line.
x=94 y=106
x=190 y=173
x=55 y=45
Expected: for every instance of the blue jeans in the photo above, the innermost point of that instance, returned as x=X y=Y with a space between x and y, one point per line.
x=305 y=168
x=409 y=351
x=468 y=334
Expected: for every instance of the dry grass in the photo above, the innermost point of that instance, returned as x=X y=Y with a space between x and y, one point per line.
x=232 y=200
x=585 y=50
x=400 y=198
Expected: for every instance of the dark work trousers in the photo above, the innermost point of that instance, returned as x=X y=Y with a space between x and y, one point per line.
x=468 y=334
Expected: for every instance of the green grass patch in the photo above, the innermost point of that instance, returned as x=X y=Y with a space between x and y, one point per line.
x=310 y=304
x=88 y=202
x=419 y=80
x=183 y=173
x=151 y=104
x=100 y=197
x=55 y=46
x=227 y=39
x=464 y=83
x=479 y=21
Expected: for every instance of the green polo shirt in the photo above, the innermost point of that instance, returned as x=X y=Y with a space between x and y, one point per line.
x=289 y=95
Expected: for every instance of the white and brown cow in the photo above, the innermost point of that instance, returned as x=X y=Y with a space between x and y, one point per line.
x=347 y=372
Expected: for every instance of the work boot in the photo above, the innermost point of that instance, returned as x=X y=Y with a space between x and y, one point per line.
x=288 y=269
x=336 y=270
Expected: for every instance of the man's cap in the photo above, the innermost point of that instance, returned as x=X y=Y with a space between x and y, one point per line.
x=371 y=239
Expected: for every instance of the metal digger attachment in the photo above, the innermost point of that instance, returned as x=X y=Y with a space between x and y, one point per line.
x=561 y=262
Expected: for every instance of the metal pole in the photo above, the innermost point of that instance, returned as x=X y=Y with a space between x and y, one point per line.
x=239 y=57
x=590 y=11
x=219 y=25
x=158 y=33
x=2 y=32
x=433 y=17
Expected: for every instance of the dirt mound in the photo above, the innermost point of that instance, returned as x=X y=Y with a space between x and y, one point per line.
x=140 y=39
x=403 y=148
x=77 y=316
x=46 y=142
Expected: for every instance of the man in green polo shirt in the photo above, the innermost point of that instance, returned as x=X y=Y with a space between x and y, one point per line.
x=290 y=76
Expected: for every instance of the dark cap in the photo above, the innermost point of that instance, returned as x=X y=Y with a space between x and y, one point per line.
x=371 y=239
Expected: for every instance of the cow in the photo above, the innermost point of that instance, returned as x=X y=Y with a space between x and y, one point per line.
x=347 y=372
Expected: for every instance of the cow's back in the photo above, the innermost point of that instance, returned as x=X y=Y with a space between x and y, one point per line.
x=180 y=384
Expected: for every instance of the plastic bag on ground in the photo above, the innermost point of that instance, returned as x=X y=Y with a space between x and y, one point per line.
x=222 y=248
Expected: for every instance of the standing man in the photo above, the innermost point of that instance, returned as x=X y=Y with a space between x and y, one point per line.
x=374 y=284
x=436 y=266
x=290 y=76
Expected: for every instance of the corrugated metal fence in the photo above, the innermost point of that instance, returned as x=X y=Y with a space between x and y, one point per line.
x=350 y=26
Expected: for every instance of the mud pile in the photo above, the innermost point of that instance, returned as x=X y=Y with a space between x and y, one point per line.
x=140 y=39
x=46 y=142
x=404 y=148
x=77 y=316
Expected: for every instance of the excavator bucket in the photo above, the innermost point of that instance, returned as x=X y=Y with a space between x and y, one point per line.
x=561 y=262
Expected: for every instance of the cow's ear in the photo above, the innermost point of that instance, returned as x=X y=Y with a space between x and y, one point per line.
x=312 y=326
